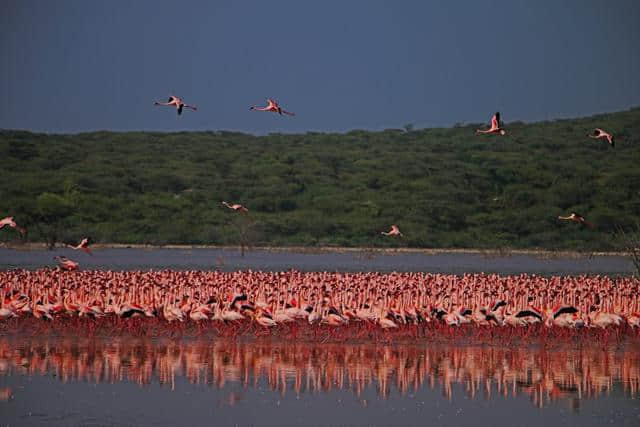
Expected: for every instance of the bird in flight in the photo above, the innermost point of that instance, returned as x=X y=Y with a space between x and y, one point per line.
x=599 y=134
x=66 y=264
x=395 y=231
x=11 y=223
x=272 y=106
x=236 y=207
x=576 y=217
x=495 y=126
x=83 y=245
x=177 y=102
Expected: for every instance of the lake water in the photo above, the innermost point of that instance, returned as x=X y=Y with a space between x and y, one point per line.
x=151 y=382
x=231 y=259
x=127 y=381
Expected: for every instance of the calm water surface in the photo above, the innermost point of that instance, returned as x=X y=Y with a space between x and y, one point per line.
x=230 y=259
x=147 y=382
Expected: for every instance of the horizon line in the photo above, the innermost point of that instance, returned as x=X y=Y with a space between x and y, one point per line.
x=401 y=128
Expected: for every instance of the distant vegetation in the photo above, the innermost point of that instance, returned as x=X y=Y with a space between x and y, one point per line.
x=444 y=188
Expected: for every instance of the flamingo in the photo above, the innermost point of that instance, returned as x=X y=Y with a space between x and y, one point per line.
x=236 y=207
x=198 y=315
x=576 y=217
x=386 y=323
x=529 y=316
x=599 y=133
x=83 y=245
x=395 y=231
x=11 y=223
x=130 y=310
x=272 y=106
x=231 y=315
x=66 y=264
x=514 y=320
x=264 y=319
x=171 y=313
x=177 y=102
x=495 y=126
x=5 y=312
x=603 y=319
x=333 y=318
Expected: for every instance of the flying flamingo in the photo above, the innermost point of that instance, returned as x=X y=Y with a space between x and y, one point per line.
x=395 y=231
x=576 y=217
x=272 y=106
x=236 y=207
x=66 y=263
x=11 y=223
x=495 y=126
x=599 y=133
x=177 y=102
x=83 y=245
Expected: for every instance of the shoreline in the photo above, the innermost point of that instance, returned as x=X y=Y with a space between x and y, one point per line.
x=545 y=253
x=300 y=331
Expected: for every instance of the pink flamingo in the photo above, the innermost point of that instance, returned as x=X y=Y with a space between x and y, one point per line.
x=11 y=223
x=236 y=207
x=83 y=245
x=395 y=231
x=576 y=217
x=66 y=264
x=599 y=133
x=272 y=106
x=177 y=102
x=495 y=126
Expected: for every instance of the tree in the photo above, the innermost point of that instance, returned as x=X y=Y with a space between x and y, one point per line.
x=245 y=228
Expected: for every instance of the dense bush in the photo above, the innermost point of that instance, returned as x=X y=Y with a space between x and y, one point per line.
x=443 y=187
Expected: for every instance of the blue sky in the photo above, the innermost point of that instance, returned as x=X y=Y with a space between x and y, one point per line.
x=70 y=66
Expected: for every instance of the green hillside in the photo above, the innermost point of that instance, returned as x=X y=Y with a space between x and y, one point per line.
x=443 y=187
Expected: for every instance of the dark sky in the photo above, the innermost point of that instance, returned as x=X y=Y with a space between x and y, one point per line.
x=70 y=66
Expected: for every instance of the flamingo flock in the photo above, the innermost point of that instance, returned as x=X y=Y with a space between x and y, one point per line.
x=332 y=300
x=373 y=300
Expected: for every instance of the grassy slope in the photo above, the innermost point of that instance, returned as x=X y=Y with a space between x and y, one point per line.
x=443 y=187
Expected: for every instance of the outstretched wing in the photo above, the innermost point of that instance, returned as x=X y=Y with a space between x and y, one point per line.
x=567 y=309
x=495 y=121
x=527 y=313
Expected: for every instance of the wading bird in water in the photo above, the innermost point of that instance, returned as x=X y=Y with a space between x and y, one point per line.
x=236 y=207
x=83 y=245
x=576 y=217
x=395 y=231
x=272 y=106
x=495 y=126
x=11 y=223
x=176 y=102
x=599 y=134
x=65 y=263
